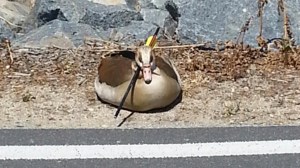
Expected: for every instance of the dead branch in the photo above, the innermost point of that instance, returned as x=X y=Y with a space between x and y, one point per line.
x=261 y=41
x=282 y=10
x=6 y=43
x=261 y=4
x=243 y=31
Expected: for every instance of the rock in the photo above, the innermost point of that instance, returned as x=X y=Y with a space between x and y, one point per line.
x=164 y=15
x=13 y=12
x=148 y=4
x=170 y=27
x=104 y=14
x=160 y=4
x=252 y=69
x=294 y=116
x=57 y=33
x=173 y=10
x=101 y=16
x=212 y=20
x=28 y=97
x=231 y=108
x=136 y=31
x=124 y=17
x=162 y=19
x=192 y=21
x=5 y=31
x=28 y=3
x=140 y=4
x=45 y=11
x=155 y=16
x=109 y=2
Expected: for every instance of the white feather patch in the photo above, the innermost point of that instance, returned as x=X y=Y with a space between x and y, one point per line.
x=104 y=91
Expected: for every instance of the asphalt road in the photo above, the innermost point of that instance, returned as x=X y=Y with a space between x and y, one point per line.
x=176 y=147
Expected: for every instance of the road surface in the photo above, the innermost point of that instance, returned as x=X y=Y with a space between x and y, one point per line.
x=277 y=146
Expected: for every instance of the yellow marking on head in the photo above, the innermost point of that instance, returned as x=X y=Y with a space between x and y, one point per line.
x=151 y=41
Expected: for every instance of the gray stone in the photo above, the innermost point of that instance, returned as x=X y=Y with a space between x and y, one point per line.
x=113 y=16
x=5 y=31
x=194 y=21
x=212 y=20
x=125 y=19
x=171 y=23
x=13 y=12
x=28 y=3
x=82 y=11
x=47 y=10
x=136 y=31
x=170 y=27
x=148 y=4
x=155 y=16
x=173 y=10
x=109 y=2
x=160 y=4
x=166 y=18
x=140 y=4
x=57 y=33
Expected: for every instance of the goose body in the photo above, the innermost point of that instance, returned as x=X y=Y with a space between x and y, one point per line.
x=157 y=87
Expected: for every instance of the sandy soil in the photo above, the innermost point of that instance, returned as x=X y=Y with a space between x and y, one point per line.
x=53 y=88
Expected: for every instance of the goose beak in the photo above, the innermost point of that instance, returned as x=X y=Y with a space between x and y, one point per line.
x=147 y=73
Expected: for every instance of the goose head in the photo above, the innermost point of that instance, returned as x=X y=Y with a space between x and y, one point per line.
x=146 y=60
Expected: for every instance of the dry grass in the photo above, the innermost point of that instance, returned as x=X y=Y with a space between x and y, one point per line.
x=55 y=66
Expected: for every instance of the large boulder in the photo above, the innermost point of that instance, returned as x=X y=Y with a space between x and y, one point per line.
x=213 y=20
x=94 y=12
x=57 y=33
x=127 y=18
x=192 y=21
x=13 y=12
x=12 y=16
x=105 y=16
x=45 y=11
x=148 y=4
x=155 y=16
x=109 y=2
x=5 y=31
x=162 y=13
x=28 y=3
x=135 y=32
x=111 y=16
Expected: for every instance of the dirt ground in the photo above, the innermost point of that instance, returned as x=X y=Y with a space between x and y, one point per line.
x=53 y=88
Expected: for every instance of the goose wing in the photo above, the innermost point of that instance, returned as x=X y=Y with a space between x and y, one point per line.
x=116 y=69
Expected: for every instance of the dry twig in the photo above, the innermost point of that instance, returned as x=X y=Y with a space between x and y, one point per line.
x=243 y=31
x=118 y=47
x=6 y=43
x=260 y=39
x=288 y=35
x=261 y=5
x=288 y=43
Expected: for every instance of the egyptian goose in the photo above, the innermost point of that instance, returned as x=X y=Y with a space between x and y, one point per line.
x=157 y=87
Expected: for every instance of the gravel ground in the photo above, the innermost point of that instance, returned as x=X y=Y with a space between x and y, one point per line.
x=53 y=88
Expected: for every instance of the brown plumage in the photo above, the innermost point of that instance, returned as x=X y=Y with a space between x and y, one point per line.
x=116 y=71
